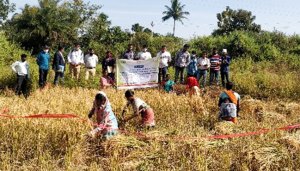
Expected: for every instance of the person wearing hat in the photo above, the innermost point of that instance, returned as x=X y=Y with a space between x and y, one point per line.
x=225 y=67
x=43 y=60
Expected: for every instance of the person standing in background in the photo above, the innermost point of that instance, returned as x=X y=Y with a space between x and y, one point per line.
x=129 y=54
x=108 y=65
x=90 y=61
x=75 y=59
x=43 y=60
x=215 y=62
x=203 y=66
x=144 y=54
x=59 y=65
x=192 y=68
x=165 y=59
x=181 y=61
x=21 y=68
x=225 y=67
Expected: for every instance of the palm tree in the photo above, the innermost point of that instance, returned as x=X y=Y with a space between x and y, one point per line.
x=176 y=12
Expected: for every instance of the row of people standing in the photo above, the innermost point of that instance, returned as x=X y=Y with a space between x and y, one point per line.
x=196 y=66
x=76 y=59
x=199 y=67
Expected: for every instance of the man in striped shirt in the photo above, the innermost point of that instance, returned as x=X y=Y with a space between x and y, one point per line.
x=215 y=63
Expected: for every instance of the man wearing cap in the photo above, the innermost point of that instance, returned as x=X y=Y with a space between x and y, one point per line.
x=75 y=59
x=43 y=60
x=225 y=67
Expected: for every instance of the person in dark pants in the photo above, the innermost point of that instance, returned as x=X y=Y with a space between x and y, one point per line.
x=182 y=59
x=43 y=59
x=215 y=62
x=109 y=65
x=59 y=65
x=21 y=68
x=225 y=67
x=165 y=58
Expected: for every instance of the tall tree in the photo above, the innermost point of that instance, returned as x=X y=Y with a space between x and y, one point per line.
x=5 y=9
x=51 y=22
x=176 y=12
x=137 y=28
x=231 y=20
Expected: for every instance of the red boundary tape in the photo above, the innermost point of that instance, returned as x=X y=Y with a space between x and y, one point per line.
x=227 y=136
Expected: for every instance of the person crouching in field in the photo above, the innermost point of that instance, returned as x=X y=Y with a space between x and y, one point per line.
x=192 y=86
x=229 y=103
x=107 y=125
x=168 y=84
x=106 y=81
x=21 y=68
x=139 y=107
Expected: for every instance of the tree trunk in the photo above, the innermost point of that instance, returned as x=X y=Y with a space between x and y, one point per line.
x=174 y=28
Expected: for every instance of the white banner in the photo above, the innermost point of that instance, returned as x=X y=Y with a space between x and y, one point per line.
x=137 y=74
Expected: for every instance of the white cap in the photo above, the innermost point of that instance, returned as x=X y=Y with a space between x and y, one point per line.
x=224 y=50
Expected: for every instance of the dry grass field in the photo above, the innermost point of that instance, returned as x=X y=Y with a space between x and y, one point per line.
x=177 y=143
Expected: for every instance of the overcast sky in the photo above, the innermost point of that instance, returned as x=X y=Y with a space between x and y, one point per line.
x=270 y=14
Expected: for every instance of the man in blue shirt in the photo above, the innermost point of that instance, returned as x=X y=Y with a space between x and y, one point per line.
x=192 y=68
x=43 y=60
x=225 y=67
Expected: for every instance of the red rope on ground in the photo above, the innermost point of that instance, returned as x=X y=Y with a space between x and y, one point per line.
x=163 y=138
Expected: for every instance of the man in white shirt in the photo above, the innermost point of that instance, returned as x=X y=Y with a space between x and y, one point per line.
x=203 y=65
x=90 y=61
x=21 y=68
x=144 y=54
x=165 y=59
x=75 y=59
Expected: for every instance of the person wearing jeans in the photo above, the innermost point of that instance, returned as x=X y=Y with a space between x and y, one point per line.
x=215 y=62
x=181 y=61
x=43 y=59
x=165 y=59
x=192 y=68
x=203 y=65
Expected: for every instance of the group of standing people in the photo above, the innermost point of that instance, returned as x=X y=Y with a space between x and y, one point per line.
x=76 y=59
x=197 y=69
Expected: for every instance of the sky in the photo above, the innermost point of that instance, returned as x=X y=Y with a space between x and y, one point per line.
x=270 y=14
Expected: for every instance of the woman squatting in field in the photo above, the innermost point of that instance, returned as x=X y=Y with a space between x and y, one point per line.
x=107 y=125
